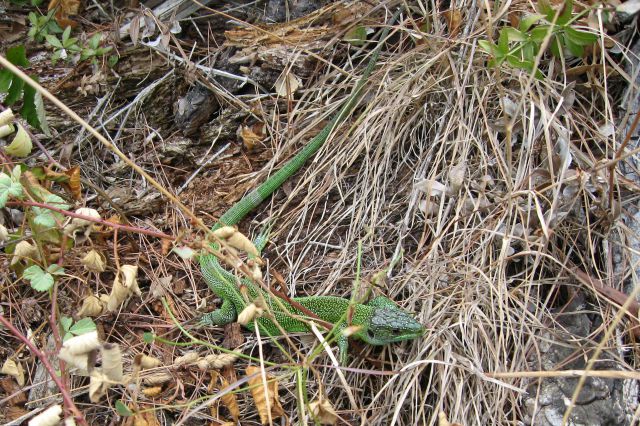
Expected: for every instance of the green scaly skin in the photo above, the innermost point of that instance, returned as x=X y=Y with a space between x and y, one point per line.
x=379 y=322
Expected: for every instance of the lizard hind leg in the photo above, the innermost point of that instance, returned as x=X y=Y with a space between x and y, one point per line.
x=222 y=316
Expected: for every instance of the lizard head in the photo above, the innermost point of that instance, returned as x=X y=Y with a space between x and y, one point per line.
x=389 y=325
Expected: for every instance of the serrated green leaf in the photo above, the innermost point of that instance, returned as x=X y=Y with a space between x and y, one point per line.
x=8 y=188
x=528 y=21
x=122 y=409
x=17 y=56
x=148 y=337
x=66 y=323
x=33 y=18
x=581 y=38
x=39 y=279
x=55 y=269
x=85 y=325
x=45 y=218
x=15 y=91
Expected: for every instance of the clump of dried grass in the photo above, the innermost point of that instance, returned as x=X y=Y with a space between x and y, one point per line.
x=486 y=263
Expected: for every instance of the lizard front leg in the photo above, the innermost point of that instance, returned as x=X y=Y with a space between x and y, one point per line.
x=222 y=316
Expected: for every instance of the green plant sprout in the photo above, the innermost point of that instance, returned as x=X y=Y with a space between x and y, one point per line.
x=518 y=47
x=42 y=25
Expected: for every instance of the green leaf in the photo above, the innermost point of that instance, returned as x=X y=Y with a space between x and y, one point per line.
x=555 y=46
x=5 y=80
x=122 y=409
x=53 y=41
x=528 y=21
x=538 y=34
x=148 y=337
x=487 y=46
x=545 y=8
x=28 y=110
x=94 y=41
x=503 y=43
x=513 y=35
x=56 y=56
x=55 y=269
x=85 y=325
x=45 y=218
x=356 y=36
x=15 y=91
x=66 y=322
x=112 y=61
x=9 y=187
x=33 y=18
x=39 y=279
x=575 y=49
x=581 y=38
x=567 y=13
x=66 y=34
x=42 y=114
x=17 y=56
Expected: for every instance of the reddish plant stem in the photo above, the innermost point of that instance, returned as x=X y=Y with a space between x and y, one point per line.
x=66 y=396
x=125 y=228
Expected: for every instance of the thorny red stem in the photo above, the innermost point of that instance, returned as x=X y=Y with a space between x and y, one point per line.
x=66 y=396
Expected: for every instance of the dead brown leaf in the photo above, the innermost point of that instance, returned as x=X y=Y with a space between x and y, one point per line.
x=266 y=399
x=64 y=10
x=454 y=19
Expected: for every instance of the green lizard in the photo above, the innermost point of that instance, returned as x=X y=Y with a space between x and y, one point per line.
x=378 y=322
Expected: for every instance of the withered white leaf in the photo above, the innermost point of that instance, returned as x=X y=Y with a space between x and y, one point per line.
x=456 y=176
x=323 y=412
x=49 y=417
x=99 y=384
x=6 y=130
x=4 y=234
x=6 y=117
x=25 y=250
x=249 y=313
x=112 y=362
x=21 y=145
x=287 y=84
x=431 y=187
x=75 y=351
x=13 y=368
x=123 y=287
x=91 y=307
x=94 y=261
x=81 y=228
